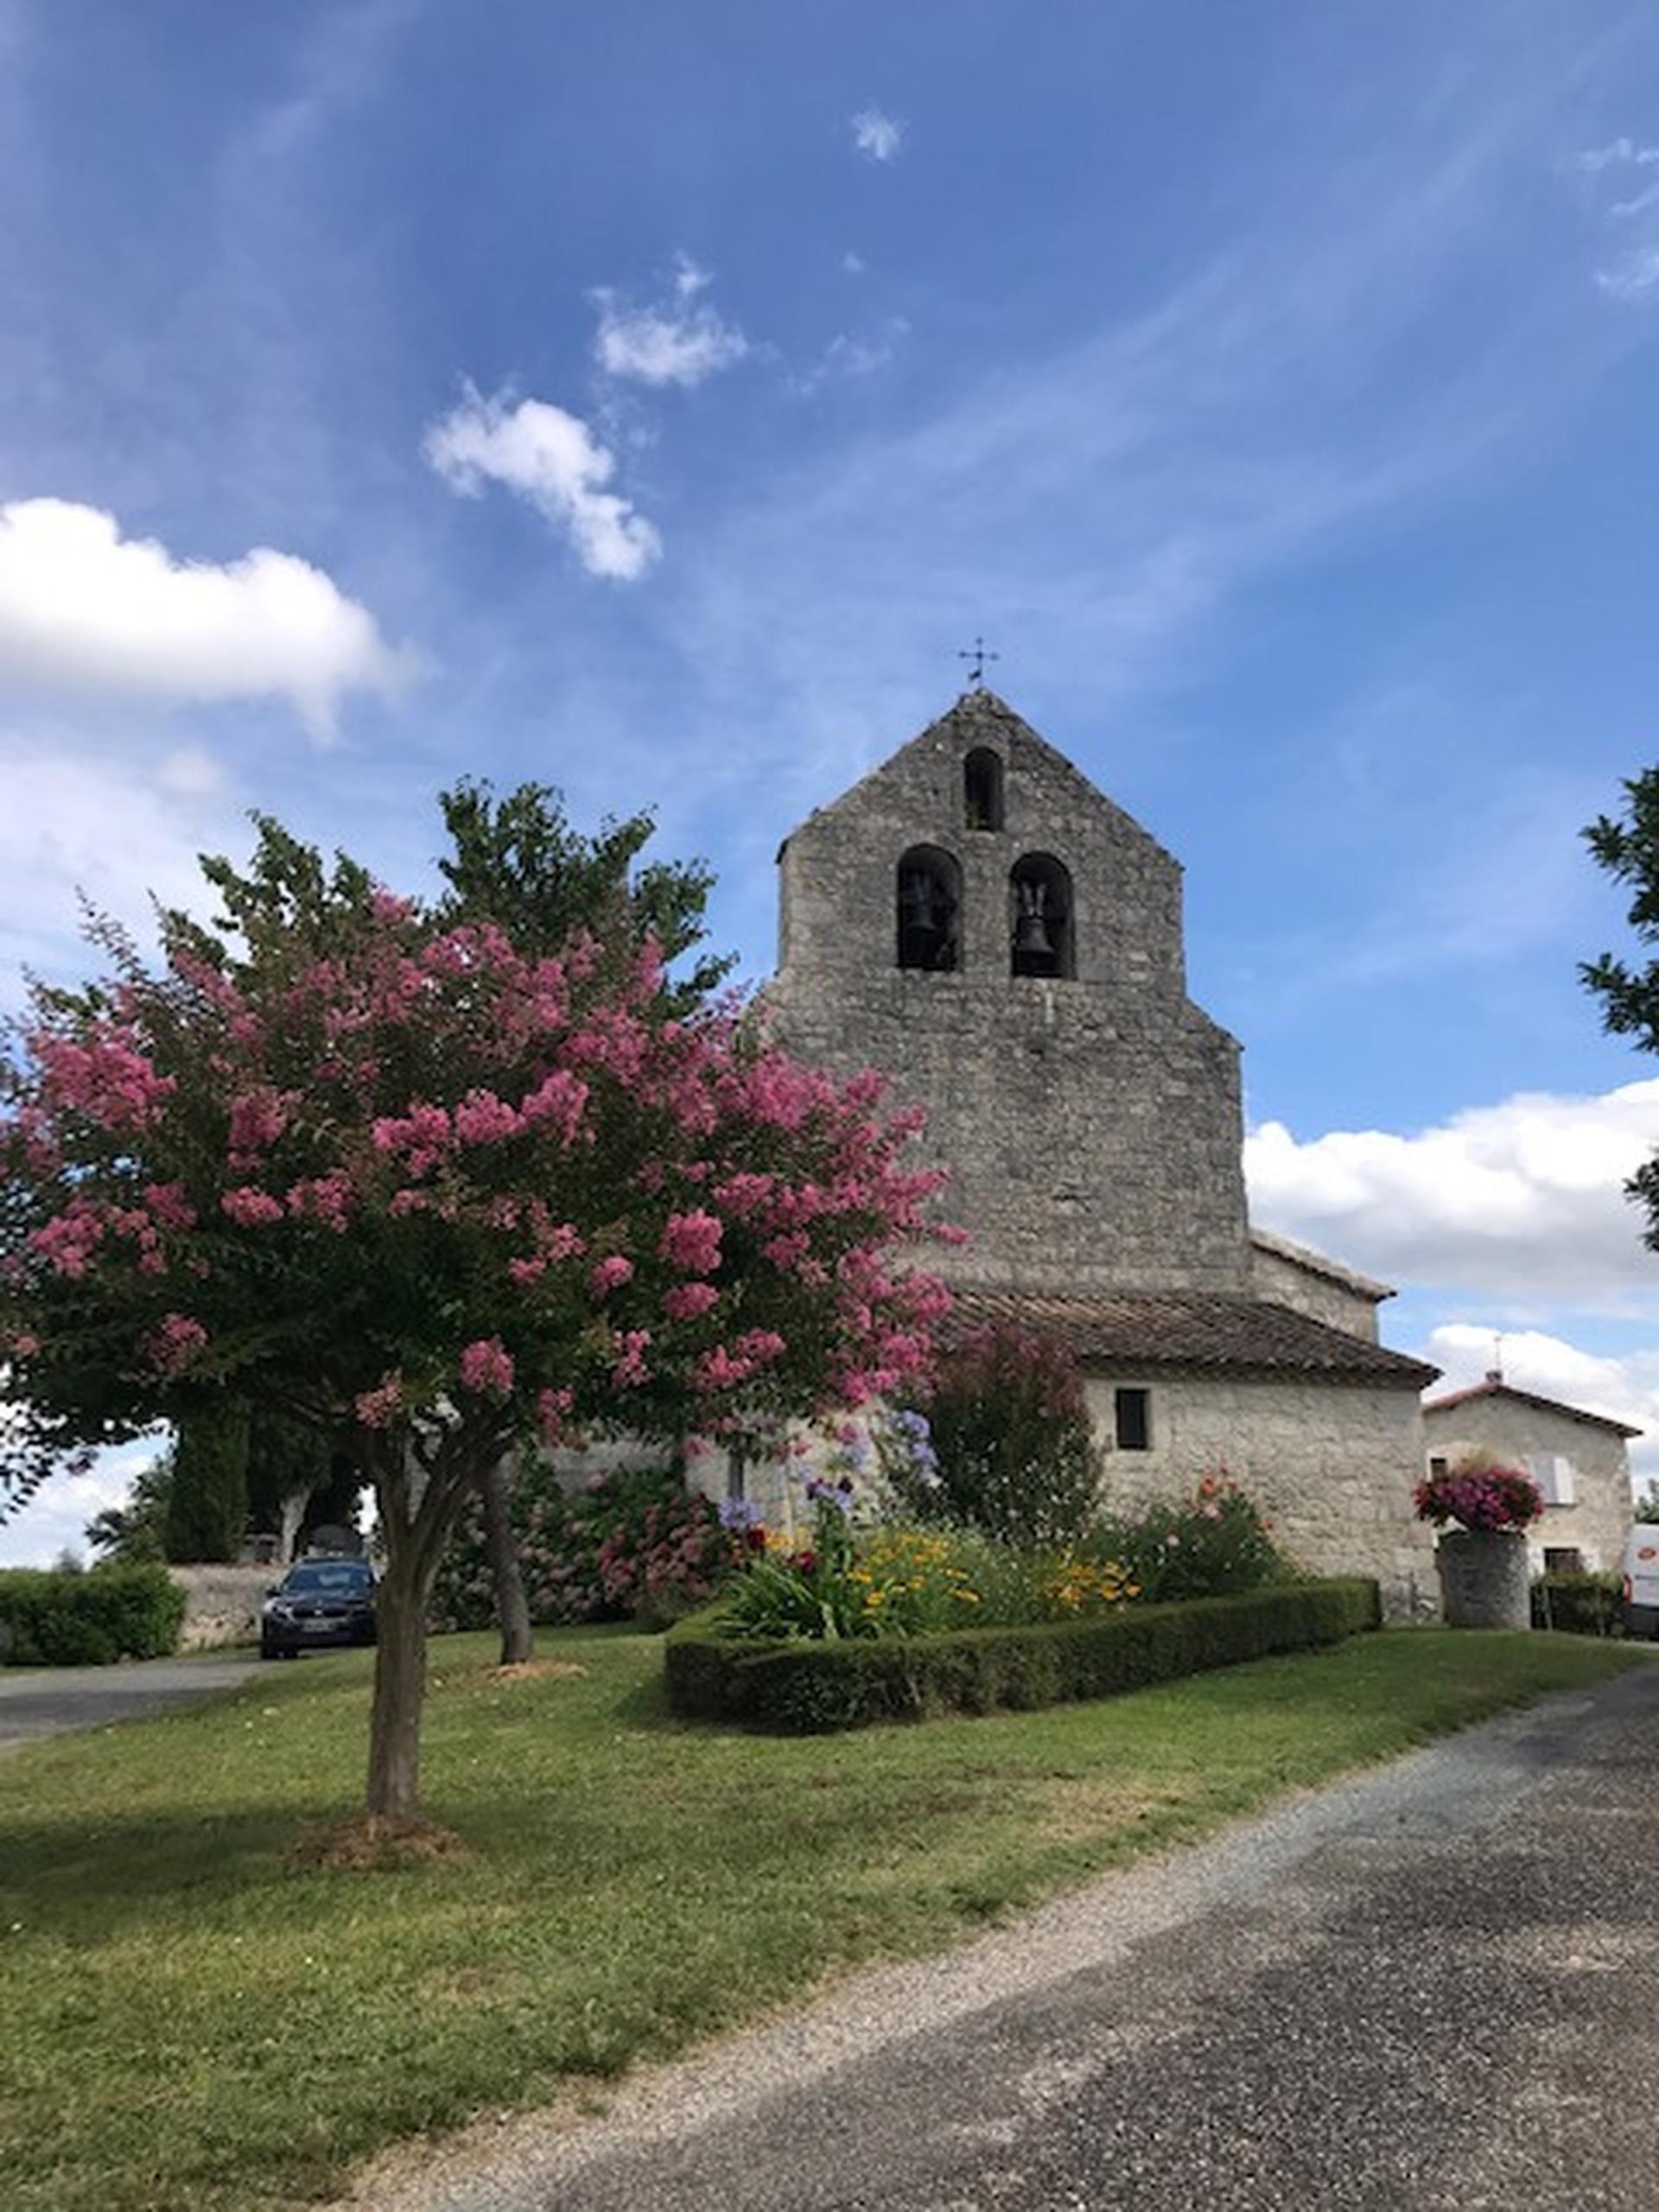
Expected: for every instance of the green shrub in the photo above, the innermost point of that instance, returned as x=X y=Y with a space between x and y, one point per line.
x=805 y=1687
x=1579 y=1605
x=1003 y=1443
x=90 y=1619
x=636 y=1544
x=1211 y=1545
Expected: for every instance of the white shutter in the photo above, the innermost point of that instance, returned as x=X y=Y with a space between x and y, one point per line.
x=1554 y=1475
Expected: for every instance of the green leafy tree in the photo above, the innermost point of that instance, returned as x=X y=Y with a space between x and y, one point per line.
x=518 y=862
x=208 y=1498
x=1627 y=846
x=347 y=1155
x=133 y=1535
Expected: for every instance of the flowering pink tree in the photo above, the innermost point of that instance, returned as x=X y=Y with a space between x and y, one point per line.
x=342 y=1154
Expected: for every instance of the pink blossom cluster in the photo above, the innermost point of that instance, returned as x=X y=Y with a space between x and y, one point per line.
x=102 y=1077
x=487 y=1369
x=175 y=1343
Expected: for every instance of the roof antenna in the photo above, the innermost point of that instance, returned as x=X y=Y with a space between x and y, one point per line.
x=1495 y=1372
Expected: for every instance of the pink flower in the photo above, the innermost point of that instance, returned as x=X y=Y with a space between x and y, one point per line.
x=170 y=1205
x=258 y=1118
x=719 y=1370
x=691 y=1242
x=379 y=1409
x=175 y=1343
x=610 y=1274
x=326 y=1198
x=482 y=1118
x=25 y=1345
x=630 y=1370
x=486 y=1368
x=249 y=1208
x=687 y=1300
x=552 y=1411
x=559 y=1101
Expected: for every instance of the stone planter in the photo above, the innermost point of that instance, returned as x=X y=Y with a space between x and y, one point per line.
x=1485 y=1581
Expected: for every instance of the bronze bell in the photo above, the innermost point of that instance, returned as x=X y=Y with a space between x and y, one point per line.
x=1030 y=935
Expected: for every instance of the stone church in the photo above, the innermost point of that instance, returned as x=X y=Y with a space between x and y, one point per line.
x=976 y=920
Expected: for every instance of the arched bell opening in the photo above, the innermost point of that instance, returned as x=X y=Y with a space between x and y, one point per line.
x=1040 y=938
x=929 y=894
x=982 y=788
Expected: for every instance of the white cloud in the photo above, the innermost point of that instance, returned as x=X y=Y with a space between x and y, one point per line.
x=1632 y=273
x=853 y=264
x=55 y=1519
x=1522 y=1199
x=875 y=135
x=673 y=342
x=552 y=460
x=1624 y=1387
x=846 y=356
x=1621 y=153
x=84 y=609
x=76 y=823
x=191 y=770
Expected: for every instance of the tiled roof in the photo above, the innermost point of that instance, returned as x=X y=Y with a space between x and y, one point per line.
x=1488 y=1389
x=1209 y=1331
x=1320 y=1263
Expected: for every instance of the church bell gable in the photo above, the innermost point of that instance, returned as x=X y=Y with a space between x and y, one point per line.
x=976 y=920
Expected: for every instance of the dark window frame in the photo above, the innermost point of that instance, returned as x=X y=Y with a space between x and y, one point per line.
x=1132 y=1417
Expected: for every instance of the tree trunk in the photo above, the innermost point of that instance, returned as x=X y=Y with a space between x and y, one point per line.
x=399 y=1687
x=511 y=1606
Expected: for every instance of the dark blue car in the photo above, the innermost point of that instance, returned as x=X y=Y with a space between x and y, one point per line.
x=318 y=1602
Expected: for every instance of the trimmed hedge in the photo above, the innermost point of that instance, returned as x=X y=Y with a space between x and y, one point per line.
x=88 y=1620
x=805 y=1687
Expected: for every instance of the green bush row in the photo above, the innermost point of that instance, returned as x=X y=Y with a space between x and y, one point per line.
x=805 y=1687
x=88 y=1620
x=1579 y=1605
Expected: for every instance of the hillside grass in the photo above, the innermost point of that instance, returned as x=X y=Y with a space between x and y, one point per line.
x=195 y=2019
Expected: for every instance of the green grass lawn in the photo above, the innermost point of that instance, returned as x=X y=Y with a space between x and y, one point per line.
x=190 y=2020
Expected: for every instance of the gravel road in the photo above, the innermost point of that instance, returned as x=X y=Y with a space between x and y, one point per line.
x=1434 y=1986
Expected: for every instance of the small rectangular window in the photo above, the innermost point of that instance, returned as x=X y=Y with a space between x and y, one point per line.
x=1563 y=1559
x=1437 y=1466
x=1132 y=1411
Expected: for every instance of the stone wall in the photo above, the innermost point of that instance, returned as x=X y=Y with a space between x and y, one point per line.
x=1511 y=1431
x=1322 y=1296
x=221 y=1603
x=1331 y=1466
x=1092 y=1124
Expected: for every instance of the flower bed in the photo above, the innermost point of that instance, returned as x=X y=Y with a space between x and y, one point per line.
x=802 y=1686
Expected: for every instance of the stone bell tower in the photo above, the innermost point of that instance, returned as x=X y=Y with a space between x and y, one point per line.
x=977 y=921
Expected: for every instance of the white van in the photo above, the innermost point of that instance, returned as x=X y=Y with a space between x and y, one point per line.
x=1642 y=1580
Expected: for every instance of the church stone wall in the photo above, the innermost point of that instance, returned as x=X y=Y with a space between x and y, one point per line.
x=1092 y=1123
x=1285 y=1281
x=1331 y=1467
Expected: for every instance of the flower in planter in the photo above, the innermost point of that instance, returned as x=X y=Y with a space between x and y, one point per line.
x=1487 y=1499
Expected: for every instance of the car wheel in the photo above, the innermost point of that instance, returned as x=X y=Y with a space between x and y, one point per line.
x=268 y=1649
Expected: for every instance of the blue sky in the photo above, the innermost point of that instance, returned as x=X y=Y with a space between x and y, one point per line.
x=653 y=400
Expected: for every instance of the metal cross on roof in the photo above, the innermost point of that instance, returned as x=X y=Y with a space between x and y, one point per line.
x=979 y=656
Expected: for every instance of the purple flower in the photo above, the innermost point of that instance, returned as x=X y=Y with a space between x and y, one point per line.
x=738 y=1513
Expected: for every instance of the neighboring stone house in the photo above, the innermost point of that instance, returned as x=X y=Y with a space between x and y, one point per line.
x=976 y=920
x=1579 y=1460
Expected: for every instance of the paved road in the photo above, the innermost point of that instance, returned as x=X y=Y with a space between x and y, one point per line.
x=47 y=1700
x=1436 y=1987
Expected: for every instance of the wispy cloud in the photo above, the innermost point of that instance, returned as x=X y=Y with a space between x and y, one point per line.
x=877 y=136
x=848 y=355
x=1628 y=269
x=552 y=458
x=84 y=608
x=681 y=340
